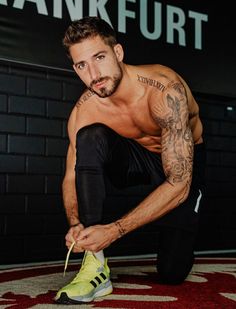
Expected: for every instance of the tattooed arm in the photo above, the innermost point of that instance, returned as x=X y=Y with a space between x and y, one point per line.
x=171 y=114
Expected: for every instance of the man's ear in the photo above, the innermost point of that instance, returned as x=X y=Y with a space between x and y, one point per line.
x=118 y=49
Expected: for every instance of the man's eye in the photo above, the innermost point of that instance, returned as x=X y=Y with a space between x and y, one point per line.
x=81 y=66
x=100 y=57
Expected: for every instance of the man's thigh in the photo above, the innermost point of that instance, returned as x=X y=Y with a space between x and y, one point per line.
x=133 y=165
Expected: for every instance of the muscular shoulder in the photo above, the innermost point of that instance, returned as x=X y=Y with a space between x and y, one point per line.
x=84 y=103
x=86 y=97
x=162 y=81
x=82 y=113
x=156 y=75
x=171 y=103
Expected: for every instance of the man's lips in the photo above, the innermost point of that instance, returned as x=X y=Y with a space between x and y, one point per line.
x=99 y=83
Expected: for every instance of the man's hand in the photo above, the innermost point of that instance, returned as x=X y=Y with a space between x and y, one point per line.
x=72 y=236
x=97 y=237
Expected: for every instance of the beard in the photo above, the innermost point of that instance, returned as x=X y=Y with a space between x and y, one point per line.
x=105 y=92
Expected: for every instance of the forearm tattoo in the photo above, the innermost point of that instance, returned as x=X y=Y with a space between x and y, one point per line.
x=172 y=116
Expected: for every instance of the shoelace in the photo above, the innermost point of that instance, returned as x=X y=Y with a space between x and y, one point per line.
x=67 y=257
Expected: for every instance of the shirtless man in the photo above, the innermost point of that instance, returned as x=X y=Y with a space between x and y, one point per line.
x=132 y=125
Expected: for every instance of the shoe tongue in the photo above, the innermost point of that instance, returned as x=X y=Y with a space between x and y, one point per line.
x=90 y=257
x=89 y=254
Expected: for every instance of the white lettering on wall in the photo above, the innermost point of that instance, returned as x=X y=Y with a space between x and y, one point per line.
x=198 y=17
x=41 y=5
x=174 y=13
x=125 y=13
x=75 y=8
x=144 y=20
x=98 y=6
x=177 y=20
x=3 y=2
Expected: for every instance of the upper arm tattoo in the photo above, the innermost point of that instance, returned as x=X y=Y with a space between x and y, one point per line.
x=171 y=114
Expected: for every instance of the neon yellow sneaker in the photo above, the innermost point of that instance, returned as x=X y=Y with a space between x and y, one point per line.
x=93 y=280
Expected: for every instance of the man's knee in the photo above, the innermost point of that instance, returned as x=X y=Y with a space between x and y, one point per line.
x=91 y=133
x=174 y=272
x=91 y=144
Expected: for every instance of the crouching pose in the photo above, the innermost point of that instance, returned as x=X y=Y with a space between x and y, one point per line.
x=133 y=125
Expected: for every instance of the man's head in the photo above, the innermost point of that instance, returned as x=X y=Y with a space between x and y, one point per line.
x=88 y=27
x=97 y=57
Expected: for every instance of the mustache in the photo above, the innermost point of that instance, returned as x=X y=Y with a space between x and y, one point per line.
x=99 y=80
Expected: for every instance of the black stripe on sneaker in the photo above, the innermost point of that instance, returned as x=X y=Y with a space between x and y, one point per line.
x=103 y=276
x=93 y=283
x=98 y=280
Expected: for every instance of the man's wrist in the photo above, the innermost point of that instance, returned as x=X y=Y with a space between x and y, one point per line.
x=120 y=228
x=74 y=225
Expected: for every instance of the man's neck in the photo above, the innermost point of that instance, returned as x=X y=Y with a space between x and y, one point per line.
x=125 y=90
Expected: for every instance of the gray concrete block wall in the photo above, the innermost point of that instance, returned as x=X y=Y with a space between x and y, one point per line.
x=34 y=108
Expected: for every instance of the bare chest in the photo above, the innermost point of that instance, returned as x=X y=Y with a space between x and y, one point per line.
x=133 y=122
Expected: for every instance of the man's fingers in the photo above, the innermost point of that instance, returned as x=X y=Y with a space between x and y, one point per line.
x=73 y=233
x=68 y=244
x=85 y=242
x=78 y=249
x=68 y=239
x=84 y=234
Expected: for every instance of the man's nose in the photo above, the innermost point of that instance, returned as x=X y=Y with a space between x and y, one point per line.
x=94 y=73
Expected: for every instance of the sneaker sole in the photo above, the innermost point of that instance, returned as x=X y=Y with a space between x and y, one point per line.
x=64 y=299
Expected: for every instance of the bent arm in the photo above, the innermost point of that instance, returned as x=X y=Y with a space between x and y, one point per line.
x=171 y=114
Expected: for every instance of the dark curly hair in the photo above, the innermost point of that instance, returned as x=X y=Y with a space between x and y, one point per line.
x=87 y=27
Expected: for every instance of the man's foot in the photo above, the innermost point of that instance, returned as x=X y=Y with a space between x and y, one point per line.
x=93 y=280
